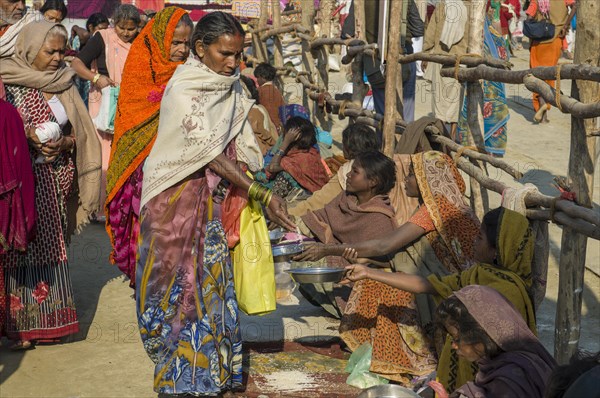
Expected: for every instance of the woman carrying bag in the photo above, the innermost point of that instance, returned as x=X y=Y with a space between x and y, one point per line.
x=101 y=62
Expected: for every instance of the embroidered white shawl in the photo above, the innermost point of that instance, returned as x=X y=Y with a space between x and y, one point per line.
x=200 y=113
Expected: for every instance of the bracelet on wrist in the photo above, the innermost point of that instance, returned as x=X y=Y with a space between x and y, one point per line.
x=260 y=193
x=96 y=78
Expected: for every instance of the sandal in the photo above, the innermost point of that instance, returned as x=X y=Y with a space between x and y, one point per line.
x=22 y=345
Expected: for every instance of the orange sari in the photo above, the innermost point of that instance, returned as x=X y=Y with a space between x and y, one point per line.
x=146 y=73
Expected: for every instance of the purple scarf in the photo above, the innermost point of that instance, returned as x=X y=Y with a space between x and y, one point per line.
x=523 y=368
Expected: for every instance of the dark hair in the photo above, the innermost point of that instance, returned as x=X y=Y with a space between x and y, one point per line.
x=308 y=136
x=379 y=167
x=58 y=5
x=126 y=12
x=214 y=25
x=358 y=138
x=564 y=376
x=185 y=20
x=95 y=20
x=454 y=313
x=251 y=86
x=490 y=223
x=266 y=71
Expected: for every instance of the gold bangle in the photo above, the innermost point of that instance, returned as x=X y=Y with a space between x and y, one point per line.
x=96 y=78
x=269 y=197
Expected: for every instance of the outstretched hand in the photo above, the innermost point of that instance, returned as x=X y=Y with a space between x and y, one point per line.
x=438 y=388
x=354 y=273
x=277 y=212
x=313 y=251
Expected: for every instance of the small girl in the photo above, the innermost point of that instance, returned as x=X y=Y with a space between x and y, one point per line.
x=486 y=329
x=361 y=213
x=296 y=163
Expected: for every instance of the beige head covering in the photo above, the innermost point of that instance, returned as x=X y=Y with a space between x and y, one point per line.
x=18 y=70
x=200 y=113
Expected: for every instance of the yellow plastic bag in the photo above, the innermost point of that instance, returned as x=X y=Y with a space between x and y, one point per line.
x=253 y=268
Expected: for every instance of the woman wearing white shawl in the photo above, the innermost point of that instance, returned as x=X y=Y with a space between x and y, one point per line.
x=186 y=304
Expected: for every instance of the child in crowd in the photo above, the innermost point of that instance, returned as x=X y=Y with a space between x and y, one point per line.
x=296 y=163
x=503 y=251
x=262 y=126
x=486 y=329
x=269 y=96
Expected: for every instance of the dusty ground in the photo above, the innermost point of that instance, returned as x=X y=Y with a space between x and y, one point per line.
x=106 y=358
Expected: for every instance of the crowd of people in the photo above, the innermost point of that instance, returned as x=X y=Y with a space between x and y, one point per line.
x=428 y=286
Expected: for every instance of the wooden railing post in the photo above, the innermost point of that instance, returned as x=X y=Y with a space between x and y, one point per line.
x=582 y=162
x=479 y=196
x=308 y=13
x=359 y=89
x=392 y=78
x=277 y=47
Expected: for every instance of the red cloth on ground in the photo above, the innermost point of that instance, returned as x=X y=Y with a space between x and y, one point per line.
x=306 y=168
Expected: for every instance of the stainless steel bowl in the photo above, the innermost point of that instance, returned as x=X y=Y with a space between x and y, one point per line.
x=276 y=234
x=285 y=251
x=316 y=275
x=388 y=391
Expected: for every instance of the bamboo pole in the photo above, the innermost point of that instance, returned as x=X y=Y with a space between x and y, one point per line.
x=582 y=162
x=359 y=48
x=567 y=104
x=322 y=54
x=284 y=29
x=392 y=79
x=359 y=89
x=261 y=49
x=277 y=47
x=486 y=72
x=479 y=197
x=587 y=229
x=448 y=59
x=308 y=11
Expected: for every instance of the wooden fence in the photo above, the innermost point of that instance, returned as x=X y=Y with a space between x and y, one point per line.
x=578 y=219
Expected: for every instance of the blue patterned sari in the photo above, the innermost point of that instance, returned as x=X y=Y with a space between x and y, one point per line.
x=187 y=309
x=495 y=108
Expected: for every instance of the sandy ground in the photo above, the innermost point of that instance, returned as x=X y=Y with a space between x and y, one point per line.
x=106 y=358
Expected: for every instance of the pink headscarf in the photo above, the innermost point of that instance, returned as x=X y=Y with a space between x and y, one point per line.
x=523 y=367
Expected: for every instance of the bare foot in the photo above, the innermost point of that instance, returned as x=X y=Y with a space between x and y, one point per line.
x=21 y=345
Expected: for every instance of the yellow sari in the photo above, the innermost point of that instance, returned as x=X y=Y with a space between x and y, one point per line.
x=511 y=276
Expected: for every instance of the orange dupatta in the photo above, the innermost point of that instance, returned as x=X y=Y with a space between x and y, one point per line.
x=146 y=73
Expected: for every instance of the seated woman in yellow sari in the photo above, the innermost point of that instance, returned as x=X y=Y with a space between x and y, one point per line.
x=437 y=239
x=504 y=252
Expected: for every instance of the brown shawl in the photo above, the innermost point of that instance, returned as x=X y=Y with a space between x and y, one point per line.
x=344 y=220
x=18 y=70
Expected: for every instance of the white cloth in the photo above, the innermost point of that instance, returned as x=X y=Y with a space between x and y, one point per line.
x=9 y=38
x=454 y=25
x=417 y=44
x=343 y=172
x=60 y=114
x=47 y=131
x=514 y=199
x=200 y=113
